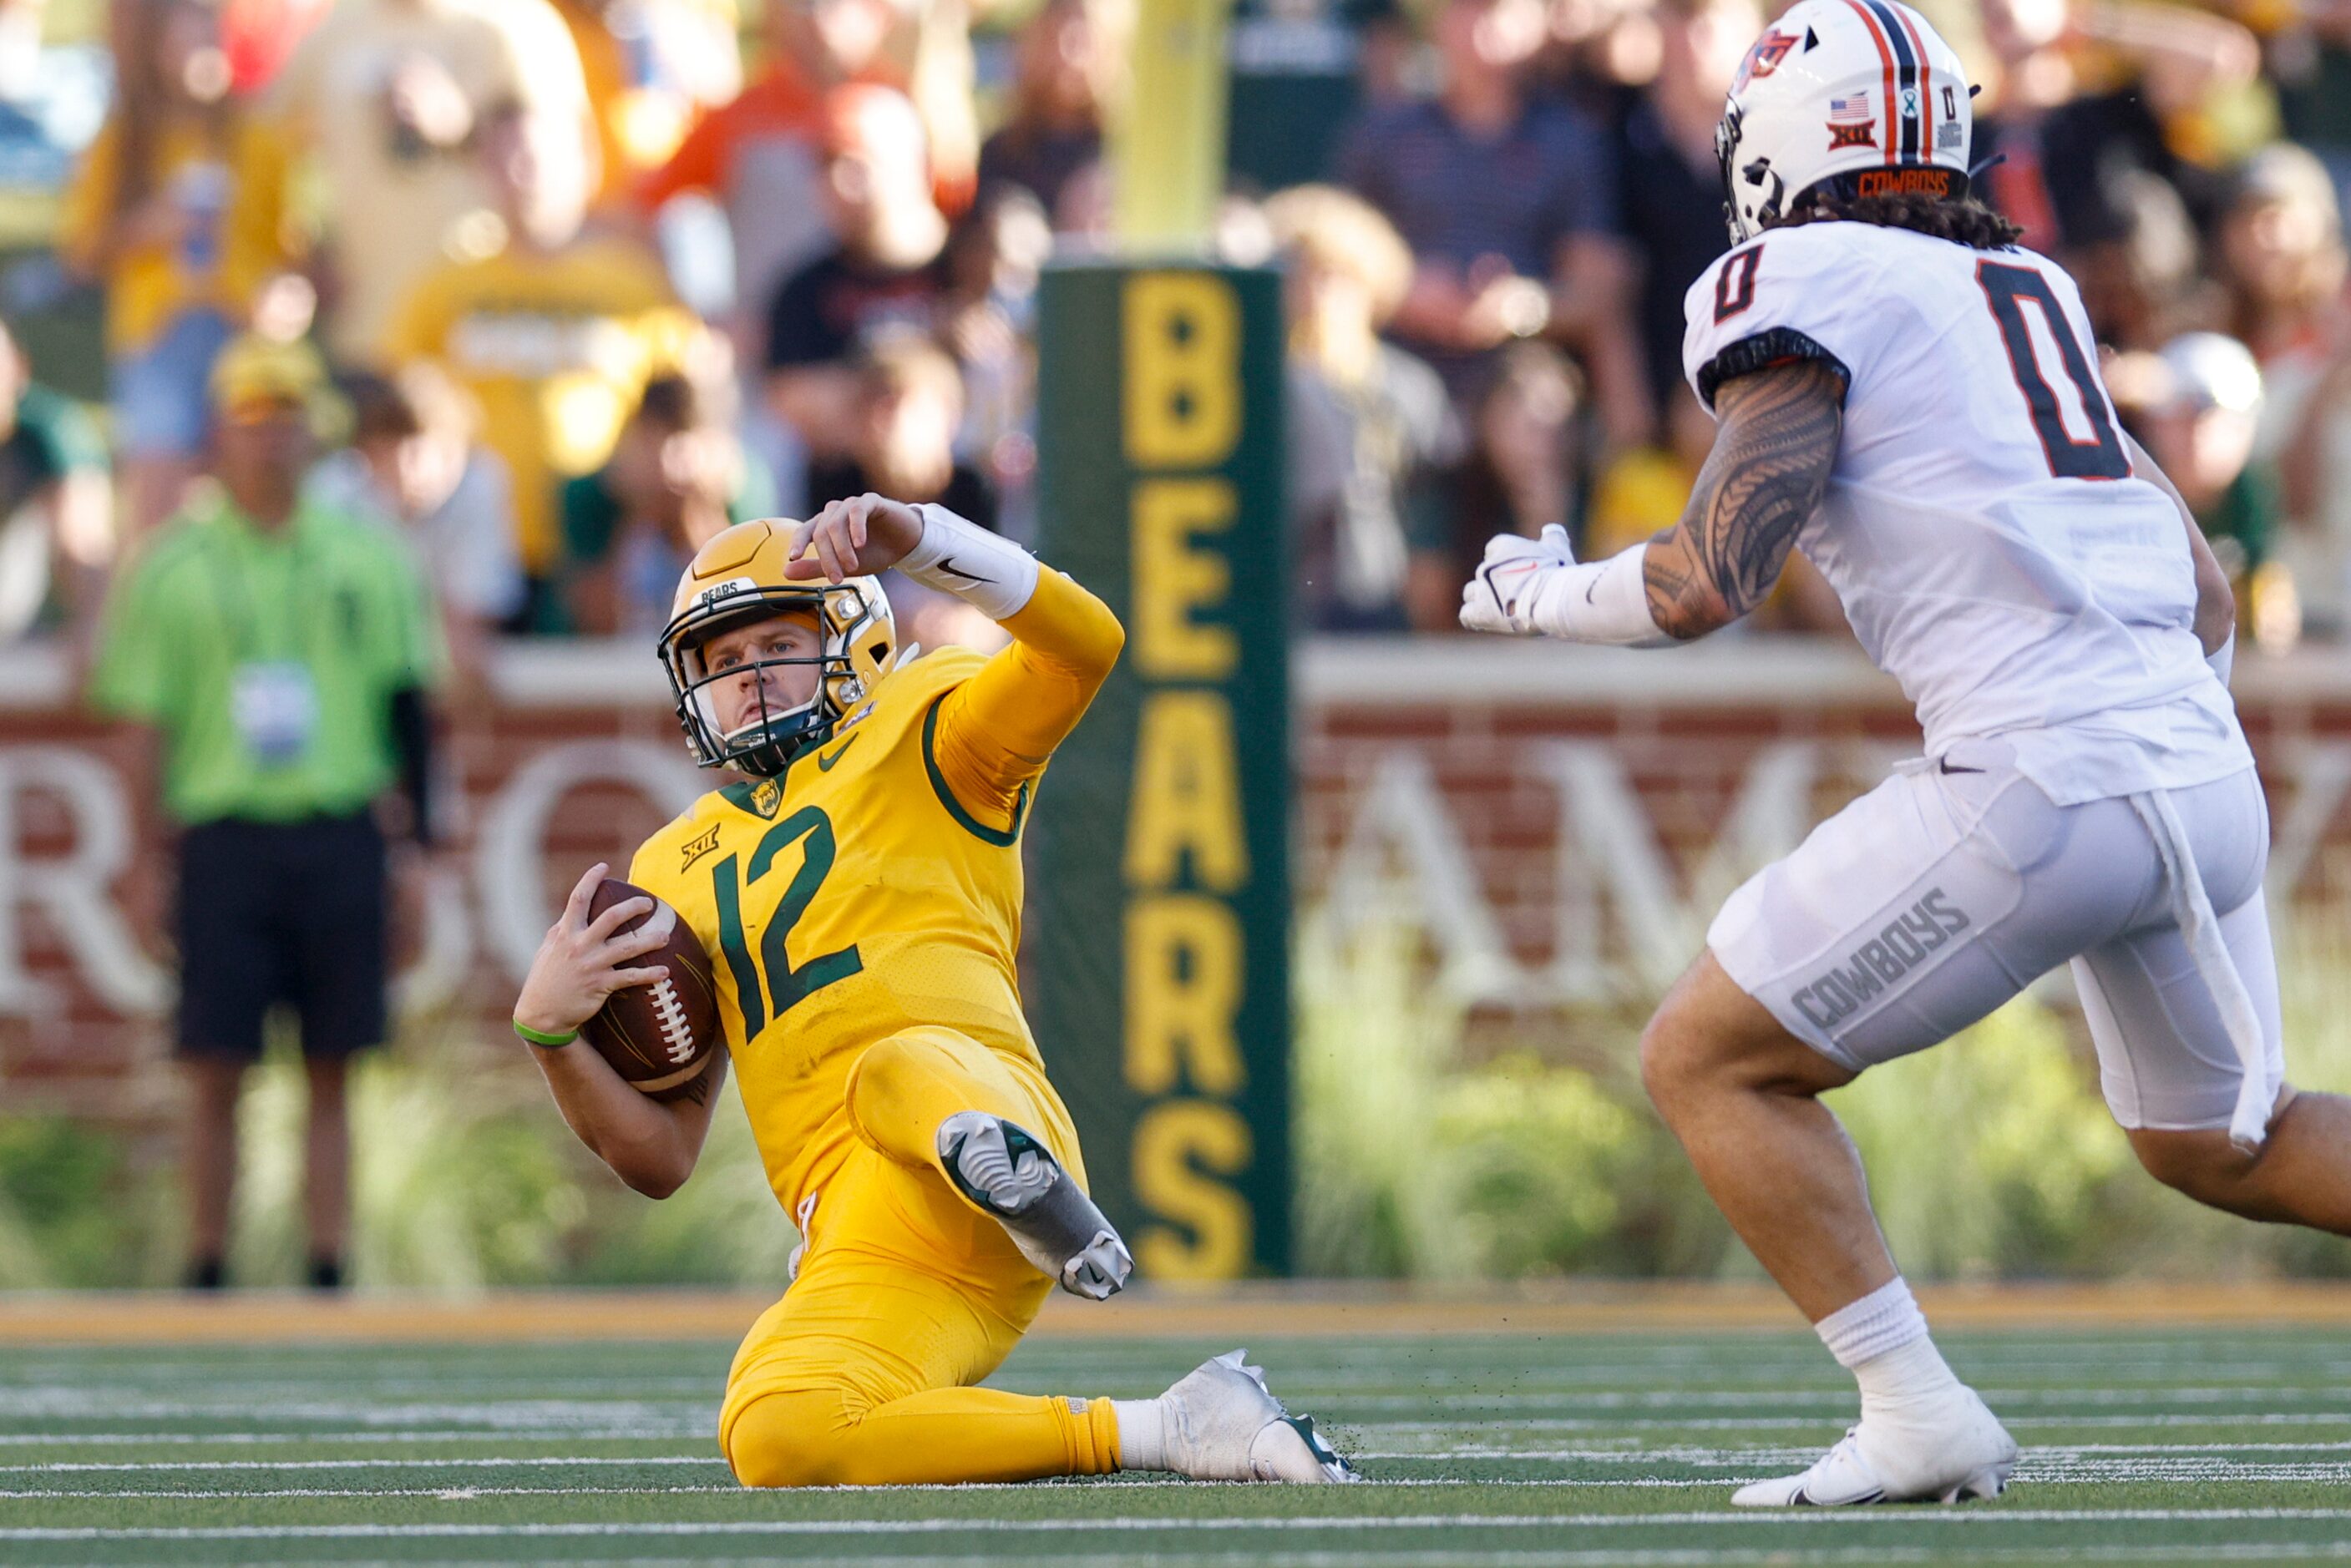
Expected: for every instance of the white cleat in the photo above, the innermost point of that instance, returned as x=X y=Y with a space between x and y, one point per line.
x=1222 y=1423
x=1016 y=1179
x=1967 y=1456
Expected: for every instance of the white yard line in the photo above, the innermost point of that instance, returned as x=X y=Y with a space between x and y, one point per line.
x=1743 y=1423
x=468 y=1493
x=1848 y=1518
x=445 y=1494
x=1868 y=1556
x=571 y=1416
x=468 y=1435
x=669 y=1433
x=1836 y=1398
x=2163 y=1455
x=503 y=1462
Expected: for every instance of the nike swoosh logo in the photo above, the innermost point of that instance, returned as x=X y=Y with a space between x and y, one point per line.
x=948 y=566
x=824 y=763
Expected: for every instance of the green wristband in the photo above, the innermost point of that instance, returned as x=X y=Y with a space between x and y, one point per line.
x=538 y=1037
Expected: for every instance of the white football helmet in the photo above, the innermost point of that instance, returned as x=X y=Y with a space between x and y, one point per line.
x=1859 y=92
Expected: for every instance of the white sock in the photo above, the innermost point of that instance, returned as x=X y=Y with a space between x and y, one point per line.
x=1915 y=1371
x=1882 y=1340
x=1142 y=1435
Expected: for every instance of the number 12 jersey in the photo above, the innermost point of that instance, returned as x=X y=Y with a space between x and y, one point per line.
x=877 y=886
x=1983 y=527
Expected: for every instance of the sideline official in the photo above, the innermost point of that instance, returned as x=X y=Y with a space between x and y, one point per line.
x=278 y=653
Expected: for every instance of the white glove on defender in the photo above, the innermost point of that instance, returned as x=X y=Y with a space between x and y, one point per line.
x=1501 y=594
x=1538 y=587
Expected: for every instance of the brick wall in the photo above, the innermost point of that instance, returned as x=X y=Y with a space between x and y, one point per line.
x=1558 y=822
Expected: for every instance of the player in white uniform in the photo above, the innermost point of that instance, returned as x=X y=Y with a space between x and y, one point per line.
x=1914 y=403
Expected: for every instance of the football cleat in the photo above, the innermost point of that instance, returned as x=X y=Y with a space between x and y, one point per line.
x=1967 y=1457
x=1017 y=1182
x=1222 y=1423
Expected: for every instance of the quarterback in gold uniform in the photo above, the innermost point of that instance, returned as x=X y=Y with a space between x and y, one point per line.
x=859 y=891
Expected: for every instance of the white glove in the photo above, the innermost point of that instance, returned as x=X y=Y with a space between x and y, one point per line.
x=1500 y=595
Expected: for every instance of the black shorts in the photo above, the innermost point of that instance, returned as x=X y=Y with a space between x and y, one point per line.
x=291 y=912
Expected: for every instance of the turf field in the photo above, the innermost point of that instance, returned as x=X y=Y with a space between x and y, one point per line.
x=2144 y=1445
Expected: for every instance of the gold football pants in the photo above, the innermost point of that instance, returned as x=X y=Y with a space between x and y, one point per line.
x=908 y=1295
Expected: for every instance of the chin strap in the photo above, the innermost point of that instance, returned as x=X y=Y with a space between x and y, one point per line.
x=987 y=571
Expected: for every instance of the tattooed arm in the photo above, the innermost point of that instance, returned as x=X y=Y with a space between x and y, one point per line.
x=1769 y=466
x=1768 y=469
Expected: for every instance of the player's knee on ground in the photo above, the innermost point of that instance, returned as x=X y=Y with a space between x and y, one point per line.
x=791 y=1438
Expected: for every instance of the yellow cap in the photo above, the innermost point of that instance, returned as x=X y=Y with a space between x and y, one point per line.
x=256 y=369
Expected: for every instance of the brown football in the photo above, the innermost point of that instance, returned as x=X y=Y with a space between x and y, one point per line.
x=660 y=1036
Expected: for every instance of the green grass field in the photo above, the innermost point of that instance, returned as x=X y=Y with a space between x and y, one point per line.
x=2143 y=1446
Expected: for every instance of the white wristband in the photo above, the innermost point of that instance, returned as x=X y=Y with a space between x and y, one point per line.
x=1599 y=601
x=987 y=571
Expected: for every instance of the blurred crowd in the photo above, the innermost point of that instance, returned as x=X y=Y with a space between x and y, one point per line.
x=593 y=277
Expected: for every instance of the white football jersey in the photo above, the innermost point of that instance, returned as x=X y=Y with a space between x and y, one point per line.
x=1982 y=526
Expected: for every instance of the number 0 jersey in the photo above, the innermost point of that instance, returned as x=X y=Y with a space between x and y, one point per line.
x=1983 y=528
x=877 y=884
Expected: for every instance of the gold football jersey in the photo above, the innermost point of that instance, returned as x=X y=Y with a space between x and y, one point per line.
x=854 y=896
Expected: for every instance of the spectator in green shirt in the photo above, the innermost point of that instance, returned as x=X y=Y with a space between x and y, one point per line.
x=678 y=477
x=278 y=653
x=57 y=504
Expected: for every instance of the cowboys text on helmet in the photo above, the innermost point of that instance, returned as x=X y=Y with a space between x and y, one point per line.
x=1859 y=95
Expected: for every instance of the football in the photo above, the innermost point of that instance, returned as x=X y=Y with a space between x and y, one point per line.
x=660 y=1036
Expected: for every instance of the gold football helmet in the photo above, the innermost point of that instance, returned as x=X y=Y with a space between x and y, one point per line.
x=739 y=577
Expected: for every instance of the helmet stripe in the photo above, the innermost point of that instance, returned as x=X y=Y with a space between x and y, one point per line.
x=1907 y=66
x=1886 y=55
x=1926 y=89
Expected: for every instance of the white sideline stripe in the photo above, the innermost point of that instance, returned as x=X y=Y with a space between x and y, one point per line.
x=1426 y=1558
x=2037 y=1454
x=445 y=1494
x=297 y=1435
x=1868 y=1557
x=461 y=1493
x=503 y=1462
x=1724 y=1456
x=1123 y=1523
x=467 y=1493
x=1681 y=1454
x=1549 y=1424
x=1781 y=1398
x=1818 y=1423
x=1391 y=1483
x=577 y=1427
